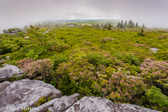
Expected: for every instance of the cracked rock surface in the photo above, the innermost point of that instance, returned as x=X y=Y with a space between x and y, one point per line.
x=17 y=95
x=10 y=71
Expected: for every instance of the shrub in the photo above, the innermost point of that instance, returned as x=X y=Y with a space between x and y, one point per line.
x=107 y=39
x=80 y=73
x=131 y=59
x=154 y=72
x=158 y=100
x=97 y=59
x=40 y=69
x=59 y=58
x=120 y=88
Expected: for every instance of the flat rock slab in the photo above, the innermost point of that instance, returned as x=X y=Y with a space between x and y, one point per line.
x=18 y=95
x=10 y=71
x=98 y=104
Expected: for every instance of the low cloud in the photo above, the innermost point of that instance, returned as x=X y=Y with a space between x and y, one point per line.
x=22 y=12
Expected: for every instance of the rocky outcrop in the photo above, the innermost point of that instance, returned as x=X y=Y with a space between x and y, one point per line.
x=10 y=71
x=58 y=104
x=18 y=95
x=98 y=104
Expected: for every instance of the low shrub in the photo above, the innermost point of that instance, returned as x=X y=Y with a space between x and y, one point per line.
x=156 y=99
x=120 y=88
x=131 y=59
x=97 y=59
x=40 y=69
x=59 y=58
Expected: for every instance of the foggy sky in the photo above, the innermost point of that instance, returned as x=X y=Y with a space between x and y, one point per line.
x=16 y=13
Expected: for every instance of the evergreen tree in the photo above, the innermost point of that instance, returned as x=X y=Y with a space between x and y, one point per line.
x=121 y=25
x=131 y=24
x=136 y=25
x=118 y=25
x=141 y=33
x=125 y=24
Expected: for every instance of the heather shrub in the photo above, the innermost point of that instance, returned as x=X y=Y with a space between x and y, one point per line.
x=155 y=72
x=80 y=72
x=154 y=69
x=120 y=88
x=40 y=69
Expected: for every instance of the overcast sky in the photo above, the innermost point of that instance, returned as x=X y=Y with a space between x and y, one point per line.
x=153 y=13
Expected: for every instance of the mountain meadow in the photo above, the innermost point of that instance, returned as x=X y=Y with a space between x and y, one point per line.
x=124 y=64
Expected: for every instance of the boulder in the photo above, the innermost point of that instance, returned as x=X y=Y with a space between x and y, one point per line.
x=18 y=95
x=98 y=104
x=60 y=104
x=65 y=102
x=10 y=71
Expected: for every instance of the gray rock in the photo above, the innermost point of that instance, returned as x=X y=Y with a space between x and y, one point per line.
x=154 y=50
x=10 y=71
x=98 y=104
x=4 y=85
x=51 y=109
x=2 y=60
x=60 y=104
x=26 y=37
x=65 y=102
x=18 y=95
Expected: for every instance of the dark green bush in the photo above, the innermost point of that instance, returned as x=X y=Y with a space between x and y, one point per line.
x=131 y=59
x=97 y=59
x=158 y=100
x=59 y=58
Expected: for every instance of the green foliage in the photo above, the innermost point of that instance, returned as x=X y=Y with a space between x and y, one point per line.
x=42 y=100
x=59 y=58
x=158 y=100
x=87 y=60
x=97 y=59
x=67 y=85
x=131 y=59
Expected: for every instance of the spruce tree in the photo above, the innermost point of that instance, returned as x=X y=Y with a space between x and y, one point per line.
x=125 y=24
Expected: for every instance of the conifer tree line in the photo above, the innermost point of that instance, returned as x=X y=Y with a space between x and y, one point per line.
x=127 y=24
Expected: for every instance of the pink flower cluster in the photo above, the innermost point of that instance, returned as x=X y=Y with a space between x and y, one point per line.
x=154 y=67
x=32 y=68
x=121 y=88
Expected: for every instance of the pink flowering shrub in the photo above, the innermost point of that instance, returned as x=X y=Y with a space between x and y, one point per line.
x=78 y=69
x=23 y=63
x=40 y=68
x=154 y=69
x=155 y=73
x=120 y=88
x=101 y=80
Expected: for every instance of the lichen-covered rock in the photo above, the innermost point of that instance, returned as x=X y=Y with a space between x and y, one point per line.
x=98 y=104
x=10 y=71
x=65 y=102
x=60 y=104
x=18 y=95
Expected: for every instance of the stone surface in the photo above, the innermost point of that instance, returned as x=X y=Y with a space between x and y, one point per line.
x=10 y=71
x=60 y=104
x=98 y=104
x=2 y=61
x=65 y=102
x=18 y=95
x=154 y=50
